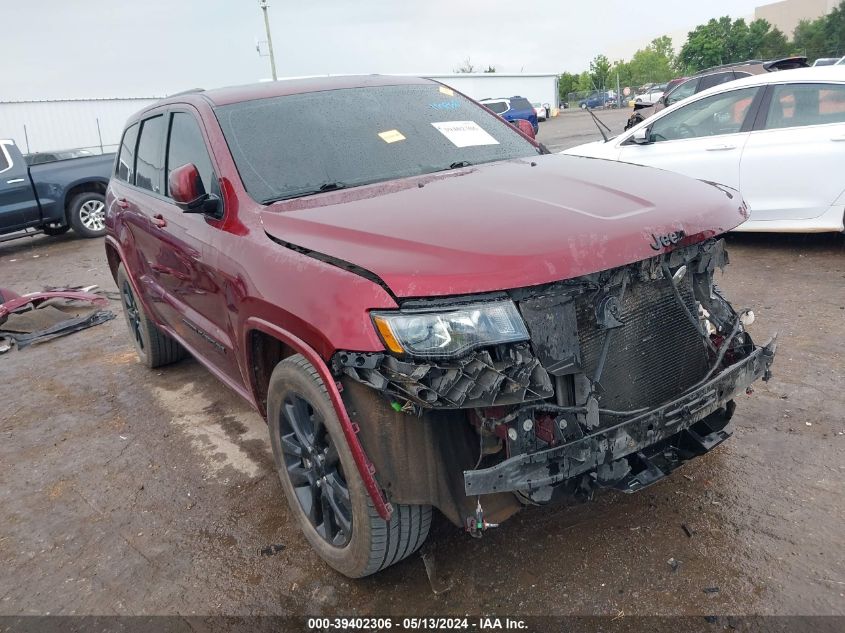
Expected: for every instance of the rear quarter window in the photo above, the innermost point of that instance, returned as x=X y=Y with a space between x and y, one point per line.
x=126 y=157
x=521 y=103
x=5 y=163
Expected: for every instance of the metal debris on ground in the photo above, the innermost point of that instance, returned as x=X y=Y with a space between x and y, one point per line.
x=687 y=530
x=438 y=585
x=42 y=316
x=270 y=550
x=711 y=590
x=674 y=564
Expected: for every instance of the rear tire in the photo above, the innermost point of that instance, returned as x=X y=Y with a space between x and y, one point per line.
x=154 y=347
x=322 y=484
x=87 y=214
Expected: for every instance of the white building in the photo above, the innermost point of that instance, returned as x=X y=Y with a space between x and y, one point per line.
x=38 y=126
x=786 y=14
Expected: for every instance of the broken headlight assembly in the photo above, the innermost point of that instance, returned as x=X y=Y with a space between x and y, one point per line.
x=450 y=332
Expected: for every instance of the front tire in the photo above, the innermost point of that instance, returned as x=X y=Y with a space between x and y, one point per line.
x=154 y=347
x=322 y=484
x=87 y=214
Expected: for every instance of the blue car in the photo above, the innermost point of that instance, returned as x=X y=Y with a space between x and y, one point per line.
x=594 y=100
x=513 y=108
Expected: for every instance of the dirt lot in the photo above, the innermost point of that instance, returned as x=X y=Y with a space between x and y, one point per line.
x=125 y=491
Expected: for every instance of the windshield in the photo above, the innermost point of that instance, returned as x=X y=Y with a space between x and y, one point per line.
x=296 y=145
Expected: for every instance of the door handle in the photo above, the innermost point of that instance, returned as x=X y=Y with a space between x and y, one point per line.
x=720 y=148
x=14 y=181
x=122 y=203
x=158 y=221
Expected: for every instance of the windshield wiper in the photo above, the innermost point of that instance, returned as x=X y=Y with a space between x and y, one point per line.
x=599 y=124
x=329 y=186
x=459 y=164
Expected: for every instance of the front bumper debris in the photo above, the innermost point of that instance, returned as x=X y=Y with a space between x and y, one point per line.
x=633 y=437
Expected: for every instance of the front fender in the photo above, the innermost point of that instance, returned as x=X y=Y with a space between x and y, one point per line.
x=350 y=430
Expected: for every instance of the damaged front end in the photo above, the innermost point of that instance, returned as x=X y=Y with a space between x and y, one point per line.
x=613 y=379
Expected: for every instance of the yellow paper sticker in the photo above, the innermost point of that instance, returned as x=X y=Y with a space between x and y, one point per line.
x=391 y=136
x=447 y=91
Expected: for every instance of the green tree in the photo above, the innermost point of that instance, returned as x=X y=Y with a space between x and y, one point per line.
x=585 y=82
x=600 y=71
x=724 y=41
x=766 y=41
x=653 y=64
x=566 y=83
x=824 y=37
x=809 y=39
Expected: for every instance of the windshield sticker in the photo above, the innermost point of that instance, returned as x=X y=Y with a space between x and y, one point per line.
x=391 y=136
x=447 y=91
x=464 y=133
x=446 y=105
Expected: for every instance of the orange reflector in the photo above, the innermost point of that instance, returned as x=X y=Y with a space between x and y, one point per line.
x=387 y=335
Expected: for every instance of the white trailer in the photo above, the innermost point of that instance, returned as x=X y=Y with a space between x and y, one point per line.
x=93 y=124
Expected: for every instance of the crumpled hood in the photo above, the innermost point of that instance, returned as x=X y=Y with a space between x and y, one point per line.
x=505 y=225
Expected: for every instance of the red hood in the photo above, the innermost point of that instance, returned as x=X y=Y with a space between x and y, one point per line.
x=505 y=225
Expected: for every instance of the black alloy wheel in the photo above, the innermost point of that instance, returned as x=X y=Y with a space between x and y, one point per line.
x=314 y=469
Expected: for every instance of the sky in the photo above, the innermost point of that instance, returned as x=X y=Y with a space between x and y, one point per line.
x=67 y=49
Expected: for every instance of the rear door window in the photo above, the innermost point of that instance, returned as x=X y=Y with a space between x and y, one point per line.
x=149 y=161
x=126 y=157
x=798 y=105
x=187 y=145
x=716 y=79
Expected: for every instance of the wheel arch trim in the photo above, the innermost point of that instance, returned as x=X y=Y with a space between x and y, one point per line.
x=350 y=431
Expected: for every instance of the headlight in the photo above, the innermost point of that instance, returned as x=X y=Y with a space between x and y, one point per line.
x=450 y=332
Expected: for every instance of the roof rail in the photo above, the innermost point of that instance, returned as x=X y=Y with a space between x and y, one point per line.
x=190 y=91
x=721 y=66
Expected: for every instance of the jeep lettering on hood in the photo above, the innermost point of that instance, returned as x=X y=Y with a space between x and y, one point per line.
x=505 y=225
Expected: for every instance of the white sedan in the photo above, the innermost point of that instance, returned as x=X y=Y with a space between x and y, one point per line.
x=778 y=138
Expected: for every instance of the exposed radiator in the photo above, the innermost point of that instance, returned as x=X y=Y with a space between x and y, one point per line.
x=654 y=356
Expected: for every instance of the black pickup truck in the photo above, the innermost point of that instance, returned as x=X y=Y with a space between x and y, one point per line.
x=53 y=197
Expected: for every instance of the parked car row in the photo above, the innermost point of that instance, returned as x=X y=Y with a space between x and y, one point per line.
x=683 y=87
x=428 y=327
x=777 y=138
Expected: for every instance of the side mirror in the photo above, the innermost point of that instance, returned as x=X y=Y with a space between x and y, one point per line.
x=641 y=136
x=525 y=127
x=186 y=189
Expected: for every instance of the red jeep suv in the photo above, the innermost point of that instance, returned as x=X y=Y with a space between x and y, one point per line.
x=428 y=308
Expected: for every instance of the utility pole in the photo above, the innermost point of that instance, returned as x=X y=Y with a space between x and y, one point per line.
x=264 y=6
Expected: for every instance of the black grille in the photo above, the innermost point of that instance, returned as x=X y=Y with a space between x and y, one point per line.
x=654 y=356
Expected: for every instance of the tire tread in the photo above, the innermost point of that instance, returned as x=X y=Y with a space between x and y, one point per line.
x=409 y=525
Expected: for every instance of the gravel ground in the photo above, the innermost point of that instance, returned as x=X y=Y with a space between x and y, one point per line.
x=134 y=492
